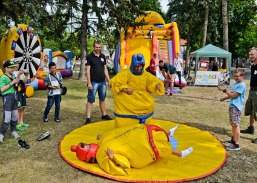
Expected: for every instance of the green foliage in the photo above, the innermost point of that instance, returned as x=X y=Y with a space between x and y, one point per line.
x=189 y=14
x=242 y=30
x=59 y=23
x=51 y=44
x=111 y=70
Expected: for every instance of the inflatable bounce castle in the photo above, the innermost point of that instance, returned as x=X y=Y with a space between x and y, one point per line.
x=63 y=65
x=156 y=37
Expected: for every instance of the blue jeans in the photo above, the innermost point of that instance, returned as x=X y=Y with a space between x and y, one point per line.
x=97 y=87
x=50 y=101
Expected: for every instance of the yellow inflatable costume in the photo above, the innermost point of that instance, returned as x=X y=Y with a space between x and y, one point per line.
x=137 y=107
x=207 y=158
x=126 y=151
x=129 y=151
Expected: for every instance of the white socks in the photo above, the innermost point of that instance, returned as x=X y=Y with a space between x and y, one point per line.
x=172 y=130
x=186 y=152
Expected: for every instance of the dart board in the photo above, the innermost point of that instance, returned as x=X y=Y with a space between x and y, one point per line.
x=23 y=44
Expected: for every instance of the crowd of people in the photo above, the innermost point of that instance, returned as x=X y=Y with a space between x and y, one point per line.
x=167 y=71
x=130 y=86
x=113 y=153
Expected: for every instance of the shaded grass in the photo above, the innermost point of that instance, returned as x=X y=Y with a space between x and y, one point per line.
x=197 y=106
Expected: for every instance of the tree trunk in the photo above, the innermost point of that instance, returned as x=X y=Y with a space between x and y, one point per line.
x=205 y=25
x=82 y=71
x=225 y=29
x=188 y=48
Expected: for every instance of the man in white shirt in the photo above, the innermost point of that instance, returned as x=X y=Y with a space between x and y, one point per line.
x=179 y=67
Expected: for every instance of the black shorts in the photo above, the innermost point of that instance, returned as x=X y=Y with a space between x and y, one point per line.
x=21 y=100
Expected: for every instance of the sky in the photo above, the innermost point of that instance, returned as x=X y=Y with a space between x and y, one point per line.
x=164 y=4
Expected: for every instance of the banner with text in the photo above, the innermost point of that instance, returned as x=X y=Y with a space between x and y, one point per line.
x=212 y=78
x=207 y=78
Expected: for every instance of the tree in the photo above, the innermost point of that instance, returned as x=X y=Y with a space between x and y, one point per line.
x=85 y=9
x=225 y=30
x=241 y=20
x=242 y=26
x=205 y=25
x=190 y=16
x=225 y=23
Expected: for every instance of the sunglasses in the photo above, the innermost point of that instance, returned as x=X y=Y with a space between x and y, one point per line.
x=235 y=76
x=97 y=41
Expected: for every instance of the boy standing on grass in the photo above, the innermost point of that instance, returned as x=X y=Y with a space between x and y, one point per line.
x=10 y=107
x=236 y=96
x=53 y=82
x=21 y=97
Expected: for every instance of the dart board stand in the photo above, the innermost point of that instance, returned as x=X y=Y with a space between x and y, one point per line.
x=22 y=44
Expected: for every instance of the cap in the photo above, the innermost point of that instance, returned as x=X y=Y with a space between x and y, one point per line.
x=9 y=64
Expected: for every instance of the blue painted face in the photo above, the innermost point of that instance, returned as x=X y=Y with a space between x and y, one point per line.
x=137 y=64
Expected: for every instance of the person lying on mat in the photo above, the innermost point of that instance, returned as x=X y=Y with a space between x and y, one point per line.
x=135 y=86
x=120 y=149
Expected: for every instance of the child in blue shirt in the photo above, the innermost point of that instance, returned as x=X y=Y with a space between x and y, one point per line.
x=236 y=96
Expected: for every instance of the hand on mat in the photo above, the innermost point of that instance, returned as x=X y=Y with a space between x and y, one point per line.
x=158 y=86
x=109 y=152
x=127 y=91
x=98 y=136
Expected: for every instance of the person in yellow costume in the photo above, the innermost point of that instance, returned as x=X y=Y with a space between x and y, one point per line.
x=120 y=149
x=132 y=90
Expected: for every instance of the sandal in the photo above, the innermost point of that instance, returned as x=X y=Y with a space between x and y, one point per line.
x=19 y=128
x=25 y=124
x=23 y=143
x=44 y=136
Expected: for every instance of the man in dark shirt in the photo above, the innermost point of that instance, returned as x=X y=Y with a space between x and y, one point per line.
x=96 y=72
x=215 y=66
x=169 y=73
x=251 y=103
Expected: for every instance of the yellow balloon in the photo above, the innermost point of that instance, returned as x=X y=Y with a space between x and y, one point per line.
x=29 y=91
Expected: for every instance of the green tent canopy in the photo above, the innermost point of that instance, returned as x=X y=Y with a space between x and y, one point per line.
x=211 y=51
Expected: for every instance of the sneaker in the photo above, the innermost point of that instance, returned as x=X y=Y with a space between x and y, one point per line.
x=254 y=141
x=171 y=94
x=43 y=136
x=45 y=119
x=1 y=138
x=19 y=128
x=88 y=120
x=57 y=120
x=230 y=141
x=15 y=134
x=25 y=124
x=23 y=143
x=234 y=147
x=249 y=130
x=106 y=117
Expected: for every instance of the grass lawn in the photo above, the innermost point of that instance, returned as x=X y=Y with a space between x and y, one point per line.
x=197 y=106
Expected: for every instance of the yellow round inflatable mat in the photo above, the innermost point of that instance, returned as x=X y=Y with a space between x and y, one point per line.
x=208 y=156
